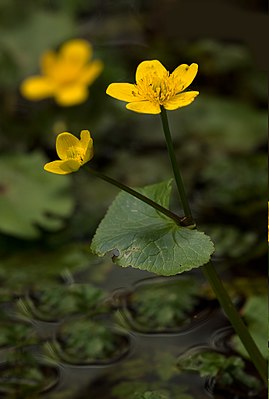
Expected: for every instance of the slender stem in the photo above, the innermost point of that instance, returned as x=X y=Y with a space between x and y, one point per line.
x=179 y=220
x=235 y=320
x=178 y=178
x=210 y=272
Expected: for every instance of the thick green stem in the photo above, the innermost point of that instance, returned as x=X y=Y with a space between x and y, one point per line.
x=153 y=204
x=177 y=175
x=210 y=272
x=235 y=319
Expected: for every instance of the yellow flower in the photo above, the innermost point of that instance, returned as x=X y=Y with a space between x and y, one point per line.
x=73 y=153
x=156 y=87
x=65 y=75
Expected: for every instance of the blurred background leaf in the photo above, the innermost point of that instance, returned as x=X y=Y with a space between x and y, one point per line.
x=30 y=197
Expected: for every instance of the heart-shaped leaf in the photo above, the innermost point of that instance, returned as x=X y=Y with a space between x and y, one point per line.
x=137 y=235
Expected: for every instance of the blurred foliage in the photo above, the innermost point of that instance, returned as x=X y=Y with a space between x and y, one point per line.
x=236 y=126
x=136 y=390
x=84 y=341
x=248 y=287
x=148 y=373
x=30 y=197
x=163 y=305
x=255 y=313
x=19 y=49
x=150 y=395
x=23 y=377
x=237 y=182
x=227 y=370
x=230 y=241
x=57 y=301
x=16 y=334
x=24 y=269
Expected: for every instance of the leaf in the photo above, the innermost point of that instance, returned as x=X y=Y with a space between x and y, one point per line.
x=227 y=370
x=31 y=197
x=139 y=236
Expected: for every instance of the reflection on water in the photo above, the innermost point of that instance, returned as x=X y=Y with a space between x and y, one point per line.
x=96 y=343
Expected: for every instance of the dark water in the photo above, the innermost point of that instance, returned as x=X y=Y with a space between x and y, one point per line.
x=141 y=356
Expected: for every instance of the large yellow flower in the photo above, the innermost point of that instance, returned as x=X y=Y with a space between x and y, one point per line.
x=156 y=87
x=73 y=153
x=65 y=75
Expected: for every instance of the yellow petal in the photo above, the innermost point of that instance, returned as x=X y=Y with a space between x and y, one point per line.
x=144 y=107
x=91 y=72
x=76 y=51
x=71 y=95
x=123 y=91
x=183 y=76
x=152 y=69
x=86 y=143
x=62 y=167
x=85 y=137
x=64 y=142
x=181 y=100
x=37 y=88
x=48 y=62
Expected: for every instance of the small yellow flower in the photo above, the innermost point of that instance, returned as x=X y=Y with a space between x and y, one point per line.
x=65 y=75
x=156 y=87
x=73 y=153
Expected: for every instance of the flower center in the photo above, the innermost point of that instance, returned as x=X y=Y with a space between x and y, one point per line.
x=155 y=89
x=76 y=153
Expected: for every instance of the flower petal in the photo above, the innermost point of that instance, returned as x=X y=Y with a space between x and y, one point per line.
x=183 y=75
x=76 y=51
x=152 y=69
x=181 y=100
x=123 y=91
x=48 y=62
x=71 y=95
x=86 y=143
x=144 y=107
x=37 y=88
x=64 y=141
x=62 y=167
x=91 y=72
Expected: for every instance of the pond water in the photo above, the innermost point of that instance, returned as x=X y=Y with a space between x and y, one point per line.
x=76 y=339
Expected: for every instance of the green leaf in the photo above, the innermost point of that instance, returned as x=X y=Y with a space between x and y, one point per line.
x=31 y=197
x=139 y=236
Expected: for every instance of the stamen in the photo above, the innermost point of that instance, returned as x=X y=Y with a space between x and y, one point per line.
x=155 y=89
x=75 y=153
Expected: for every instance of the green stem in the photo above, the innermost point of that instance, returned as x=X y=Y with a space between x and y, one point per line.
x=210 y=272
x=178 y=178
x=180 y=221
x=235 y=319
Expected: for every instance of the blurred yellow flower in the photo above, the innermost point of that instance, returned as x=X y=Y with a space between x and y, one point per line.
x=156 y=87
x=73 y=153
x=64 y=75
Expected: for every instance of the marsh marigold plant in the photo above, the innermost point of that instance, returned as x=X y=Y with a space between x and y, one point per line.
x=73 y=153
x=65 y=75
x=155 y=87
